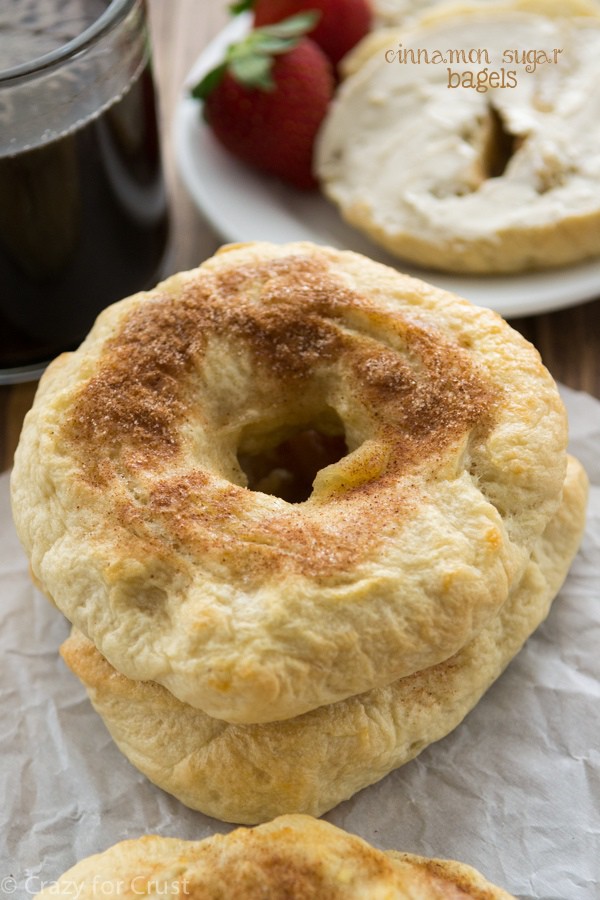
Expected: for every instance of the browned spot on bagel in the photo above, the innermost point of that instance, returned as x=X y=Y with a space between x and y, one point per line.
x=298 y=321
x=450 y=880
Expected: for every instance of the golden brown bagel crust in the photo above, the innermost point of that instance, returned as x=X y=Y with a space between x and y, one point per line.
x=129 y=497
x=291 y=858
x=309 y=764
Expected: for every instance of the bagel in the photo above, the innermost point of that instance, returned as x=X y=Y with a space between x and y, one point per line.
x=130 y=499
x=291 y=858
x=248 y=774
x=398 y=12
x=476 y=165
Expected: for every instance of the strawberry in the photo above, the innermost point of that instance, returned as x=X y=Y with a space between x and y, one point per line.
x=266 y=100
x=341 y=25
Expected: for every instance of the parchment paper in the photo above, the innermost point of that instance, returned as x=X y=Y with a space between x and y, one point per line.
x=514 y=790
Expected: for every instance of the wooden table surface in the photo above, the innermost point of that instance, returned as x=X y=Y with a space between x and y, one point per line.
x=569 y=340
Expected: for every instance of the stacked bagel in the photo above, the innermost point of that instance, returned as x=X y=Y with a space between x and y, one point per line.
x=467 y=140
x=256 y=655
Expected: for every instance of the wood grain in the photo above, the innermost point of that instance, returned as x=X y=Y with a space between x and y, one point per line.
x=568 y=340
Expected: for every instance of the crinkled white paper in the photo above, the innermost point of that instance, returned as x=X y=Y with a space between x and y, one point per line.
x=514 y=790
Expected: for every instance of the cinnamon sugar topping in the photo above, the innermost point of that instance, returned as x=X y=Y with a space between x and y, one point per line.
x=417 y=392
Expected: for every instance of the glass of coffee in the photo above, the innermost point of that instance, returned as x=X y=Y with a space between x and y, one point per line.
x=83 y=211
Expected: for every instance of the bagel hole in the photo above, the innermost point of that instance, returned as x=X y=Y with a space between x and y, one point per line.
x=288 y=468
x=499 y=145
x=494 y=146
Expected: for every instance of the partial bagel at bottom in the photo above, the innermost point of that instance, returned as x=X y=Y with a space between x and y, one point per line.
x=291 y=858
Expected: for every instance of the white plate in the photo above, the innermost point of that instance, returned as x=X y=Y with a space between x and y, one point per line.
x=243 y=205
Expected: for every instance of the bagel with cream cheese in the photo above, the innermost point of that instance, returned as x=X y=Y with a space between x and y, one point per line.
x=131 y=495
x=292 y=858
x=480 y=164
x=399 y=12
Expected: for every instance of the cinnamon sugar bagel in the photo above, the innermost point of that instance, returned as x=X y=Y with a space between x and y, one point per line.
x=309 y=764
x=291 y=858
x=485 y=162
x=130 y=491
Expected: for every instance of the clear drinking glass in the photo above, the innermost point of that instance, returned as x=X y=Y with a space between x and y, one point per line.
x=83 y=211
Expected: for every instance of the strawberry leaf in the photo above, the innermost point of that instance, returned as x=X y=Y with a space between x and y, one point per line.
x=240 y=7
x=253 y=71
x=210 y=81
x=294 y=27
x=250 y=61
x=265 y=43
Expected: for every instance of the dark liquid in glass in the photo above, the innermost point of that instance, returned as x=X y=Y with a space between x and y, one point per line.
x=83 y=222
